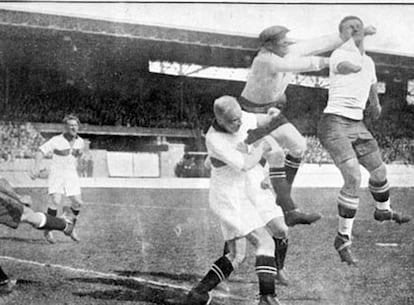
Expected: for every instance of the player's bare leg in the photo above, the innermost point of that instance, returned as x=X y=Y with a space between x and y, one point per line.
x=42 y=221
x=74 y=210
x=348 y=202
x=56 y=199
x=380 y=189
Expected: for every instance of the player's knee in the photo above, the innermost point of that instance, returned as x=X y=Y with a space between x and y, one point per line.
x=351 y=173
x=299 y=148
x=25 y=214
x=276 y=157
x=352 y=180
x=265 y=245
x=379 y=174
x=282 y=232
x=76 y=203
x=278 y=227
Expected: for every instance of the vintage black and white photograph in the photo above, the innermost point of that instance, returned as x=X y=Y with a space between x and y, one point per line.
x=216 y=153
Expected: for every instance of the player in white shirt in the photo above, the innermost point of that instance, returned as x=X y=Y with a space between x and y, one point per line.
x=271 y=71
x=342 y=132
x=63 y=179
x=242 y=206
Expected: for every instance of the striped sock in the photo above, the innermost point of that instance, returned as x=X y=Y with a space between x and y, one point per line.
x=53 y=223
x=347 y=207
x=218 y=272
x=266 y=272
x=281 y=247
x=292 y=165
x=75 y=211
x=3 y=276
x=52 y=211
x=281 y=187
x=381 y=193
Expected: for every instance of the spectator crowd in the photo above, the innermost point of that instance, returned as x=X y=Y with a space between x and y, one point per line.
x=168 y=103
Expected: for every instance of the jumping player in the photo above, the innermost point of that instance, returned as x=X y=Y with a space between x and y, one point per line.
x=271 y=71
x=66 y=148
x=342 y=132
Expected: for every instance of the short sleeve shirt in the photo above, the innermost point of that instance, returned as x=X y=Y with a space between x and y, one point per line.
x=348 y=93
x=64 y=153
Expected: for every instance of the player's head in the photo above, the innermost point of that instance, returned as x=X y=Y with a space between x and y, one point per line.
x=228 y=113
x=71 y=124
x=351 y=26
x=274 y=39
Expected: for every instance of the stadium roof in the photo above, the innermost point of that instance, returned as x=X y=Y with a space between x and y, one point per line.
x=29 y=29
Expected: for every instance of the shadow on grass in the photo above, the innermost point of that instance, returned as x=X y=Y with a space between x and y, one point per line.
x=142 y=292
x=134 y=291
x=182 y=277
x=24 y=240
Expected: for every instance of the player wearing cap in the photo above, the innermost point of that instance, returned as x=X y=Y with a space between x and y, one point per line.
x=342 y=132
x=14 y=210
x=65 y=148
x=271 y=71
x=244 y=209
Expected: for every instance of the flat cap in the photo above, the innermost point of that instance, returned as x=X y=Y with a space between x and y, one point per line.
x=275 y=32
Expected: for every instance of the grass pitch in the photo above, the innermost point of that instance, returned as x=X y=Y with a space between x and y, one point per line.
x=148 y=246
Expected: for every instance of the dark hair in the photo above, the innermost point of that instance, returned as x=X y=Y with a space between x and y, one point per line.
x=70 y=117
x=345 y=19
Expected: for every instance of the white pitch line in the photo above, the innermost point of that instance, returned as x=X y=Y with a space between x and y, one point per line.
x=111 y=275
x=98 y=273
x=387 y=244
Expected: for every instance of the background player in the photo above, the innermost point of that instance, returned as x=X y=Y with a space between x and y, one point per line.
x=65 y=148
x=342 y=132
x=271 y=71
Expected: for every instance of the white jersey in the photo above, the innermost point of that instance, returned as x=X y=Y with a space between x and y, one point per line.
x=348 y=93
x=223 y=146
x=63 y=177
x=64 y=153
x=232 y=197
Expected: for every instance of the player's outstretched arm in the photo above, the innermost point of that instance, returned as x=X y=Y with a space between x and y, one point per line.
x=297 y=64
x=37 y=165
x=323 y=43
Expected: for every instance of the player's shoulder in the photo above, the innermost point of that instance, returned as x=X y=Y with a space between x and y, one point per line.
x=56 y=138
x=248 y=117
x=369 y=59
x=215 y=137
x=340 y=52
x=264 y=57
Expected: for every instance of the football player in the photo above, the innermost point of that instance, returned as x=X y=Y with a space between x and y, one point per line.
x=271 y=71
x=63 y=178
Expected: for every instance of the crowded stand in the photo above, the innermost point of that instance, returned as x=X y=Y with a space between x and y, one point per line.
x=160 y=109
